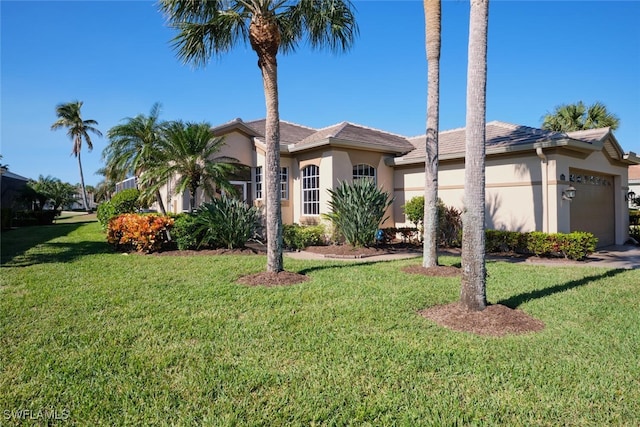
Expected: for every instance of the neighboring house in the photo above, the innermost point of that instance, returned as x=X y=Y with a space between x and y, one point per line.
x=634 y=184
x=12 y=185
x=528 y=171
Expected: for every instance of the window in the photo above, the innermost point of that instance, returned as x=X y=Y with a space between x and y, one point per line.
x=311 y=190
x=364 y=171
x=284 y=183
x=259 y=182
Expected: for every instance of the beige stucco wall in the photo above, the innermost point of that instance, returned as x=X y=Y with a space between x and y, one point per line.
x=513 y=191
x=523 y=192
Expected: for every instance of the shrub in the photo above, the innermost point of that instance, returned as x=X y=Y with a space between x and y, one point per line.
x=126 y=201
x=105 y=212
x=414 y=210
x=227 y=222
x=449 y=221
x=29 y=218
x=577 y=245
x=297 y=237
x=184 y=232
x=143 y=233
x=449 y=225
x=357 y=209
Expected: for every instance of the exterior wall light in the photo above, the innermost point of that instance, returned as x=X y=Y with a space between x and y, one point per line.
x=630 y=196
x=569 y=193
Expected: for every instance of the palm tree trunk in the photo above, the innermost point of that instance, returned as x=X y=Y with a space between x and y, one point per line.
x=269 y=68
x=160 y=202
x=84 y=190
x=430 y=245
x=473 y=288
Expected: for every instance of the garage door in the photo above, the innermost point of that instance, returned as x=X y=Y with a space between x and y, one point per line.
x=592 y=209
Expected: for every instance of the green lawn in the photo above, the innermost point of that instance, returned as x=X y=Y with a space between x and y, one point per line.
x=109 y=339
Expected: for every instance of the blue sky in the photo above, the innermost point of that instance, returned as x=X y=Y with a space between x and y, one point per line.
x=115 y=56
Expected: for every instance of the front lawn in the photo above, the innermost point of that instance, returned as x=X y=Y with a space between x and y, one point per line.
x=100 y=338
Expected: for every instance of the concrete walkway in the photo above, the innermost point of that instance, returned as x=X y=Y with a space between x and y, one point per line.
x=620 y=256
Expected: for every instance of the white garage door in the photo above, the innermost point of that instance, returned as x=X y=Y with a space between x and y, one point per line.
x=592 y=209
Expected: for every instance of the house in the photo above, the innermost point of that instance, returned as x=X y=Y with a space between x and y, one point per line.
x=634 y=185
x=12 y=186
x=535 y=179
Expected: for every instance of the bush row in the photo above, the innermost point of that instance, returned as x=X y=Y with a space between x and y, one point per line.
x=577 y=245
x=225 y=222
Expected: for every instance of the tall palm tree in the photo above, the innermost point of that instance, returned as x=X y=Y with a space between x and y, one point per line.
x=432 y=9
x=473 y=287
x=133 y=148
x=187 y=151
x=78 y=130
x=271 y=26
x=571 y=117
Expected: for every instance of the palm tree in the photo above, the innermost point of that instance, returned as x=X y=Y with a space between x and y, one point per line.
x=432 y=9
x=271 y=26
x=571 y=117
x=78 y=129
x=473 y=287
x=133 y=148
x=187 y=151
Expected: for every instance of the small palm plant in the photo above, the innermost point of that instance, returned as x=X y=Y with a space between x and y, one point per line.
x=357 y=210
x=227 y=222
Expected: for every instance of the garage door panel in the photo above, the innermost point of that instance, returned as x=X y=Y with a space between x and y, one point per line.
x=592 y=209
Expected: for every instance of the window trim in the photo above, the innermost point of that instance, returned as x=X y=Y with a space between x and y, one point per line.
x=310 y=175
x=359 y=169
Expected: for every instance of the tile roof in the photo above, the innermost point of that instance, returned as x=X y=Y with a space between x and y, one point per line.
x=350 y=132
x=498 y=134
x=290 y=133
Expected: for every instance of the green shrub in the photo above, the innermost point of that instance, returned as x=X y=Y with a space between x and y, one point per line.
x=577 y=245
x=185 y=232
x=414 y=210
x=29 y=218
x=357 y=210
x=104 y=213
x=126 y=201
x=297 y=236
x=634 y=217
x=227 y=222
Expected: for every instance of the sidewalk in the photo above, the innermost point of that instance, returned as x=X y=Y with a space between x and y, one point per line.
x=620 y=256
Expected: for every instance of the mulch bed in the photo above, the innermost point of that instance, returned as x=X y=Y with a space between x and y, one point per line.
x=349 y=251
x=268 y=279
x=495 y=320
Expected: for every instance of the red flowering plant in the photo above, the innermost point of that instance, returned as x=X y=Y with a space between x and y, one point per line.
x=142 y=233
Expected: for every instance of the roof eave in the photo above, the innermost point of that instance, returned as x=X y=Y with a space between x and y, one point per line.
x=343 y=143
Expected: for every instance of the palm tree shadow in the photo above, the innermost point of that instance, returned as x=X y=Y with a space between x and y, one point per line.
x=517 y=300
x=34 y=245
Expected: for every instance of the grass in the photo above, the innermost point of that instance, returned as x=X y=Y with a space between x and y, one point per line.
x=110 y=339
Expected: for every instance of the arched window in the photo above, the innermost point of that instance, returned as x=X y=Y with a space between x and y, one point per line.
x=364 y=171
x=311 y=190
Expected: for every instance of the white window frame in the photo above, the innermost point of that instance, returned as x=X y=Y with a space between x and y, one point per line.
x=284 y=183
x=363 y=170
x=257 y=178
x=311 y=190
